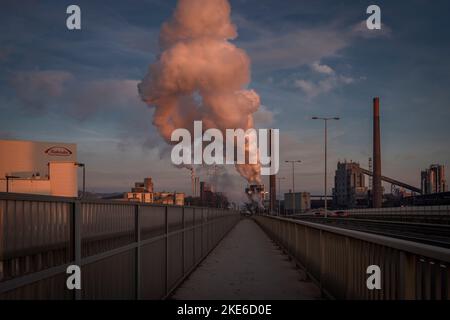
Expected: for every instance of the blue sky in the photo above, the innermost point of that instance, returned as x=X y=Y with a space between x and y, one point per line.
x=308 y=58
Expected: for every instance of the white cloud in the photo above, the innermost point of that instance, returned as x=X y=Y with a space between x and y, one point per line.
x=35 y=88
x=298 y=47
x=328 y=81
x=322 y=68
x=264 y=117
x=307 y=86
x=360 y=30
x=346 y=80
x=60 y=91
x=313 y=89
x=115 y=101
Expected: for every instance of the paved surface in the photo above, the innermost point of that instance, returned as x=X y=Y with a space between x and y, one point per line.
x=247 y=265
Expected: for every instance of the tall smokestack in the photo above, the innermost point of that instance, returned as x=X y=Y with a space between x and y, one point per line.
x=377 y=193
x=272 y=180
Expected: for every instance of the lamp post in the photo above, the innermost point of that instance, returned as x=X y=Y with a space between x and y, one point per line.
x=325 y=119
x=279 y=194
x=82 y=165
x=293 y=162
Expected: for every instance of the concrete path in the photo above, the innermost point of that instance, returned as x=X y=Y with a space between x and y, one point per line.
x=246 y=265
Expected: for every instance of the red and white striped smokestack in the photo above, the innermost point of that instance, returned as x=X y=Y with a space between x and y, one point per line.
x=377 y=193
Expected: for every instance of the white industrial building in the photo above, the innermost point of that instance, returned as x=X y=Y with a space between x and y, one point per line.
x=46 y=168
x=297 y=202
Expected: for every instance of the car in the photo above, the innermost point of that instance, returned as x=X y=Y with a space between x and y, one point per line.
x=341 y=213
x=333 y=214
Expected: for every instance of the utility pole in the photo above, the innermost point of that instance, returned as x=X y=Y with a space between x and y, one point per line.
x=279 y=194
x=325 y=176
x=193 y=180
x=293 y=162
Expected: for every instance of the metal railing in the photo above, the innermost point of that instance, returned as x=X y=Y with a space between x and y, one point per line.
x=337 y=260
x=413 y=210
x=125 y=250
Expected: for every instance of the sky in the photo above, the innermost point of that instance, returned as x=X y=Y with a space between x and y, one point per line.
x=308 y=58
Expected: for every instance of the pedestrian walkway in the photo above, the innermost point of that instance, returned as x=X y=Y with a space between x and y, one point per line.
x=247 y=265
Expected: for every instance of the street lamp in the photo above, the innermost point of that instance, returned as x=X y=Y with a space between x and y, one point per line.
x=279 y=194
x=82 y=165
x=293 y=162
x=325 y=182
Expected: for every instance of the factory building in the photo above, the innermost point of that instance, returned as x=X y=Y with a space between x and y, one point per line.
x=170 y=198
x=433 y=179
x=297 y=202
x=32 y=167
x=210 y=198
x=349 y=186
x=143 y=192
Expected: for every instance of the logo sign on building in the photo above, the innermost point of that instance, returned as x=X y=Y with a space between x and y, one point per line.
x=58 y=151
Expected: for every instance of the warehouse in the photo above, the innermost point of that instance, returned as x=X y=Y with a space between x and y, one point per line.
x=46 y=168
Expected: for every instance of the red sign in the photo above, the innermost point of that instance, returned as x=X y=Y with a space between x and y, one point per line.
x=58 y=151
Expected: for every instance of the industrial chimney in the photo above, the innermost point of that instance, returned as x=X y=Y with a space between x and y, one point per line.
x=377 y=193
x=272 y=180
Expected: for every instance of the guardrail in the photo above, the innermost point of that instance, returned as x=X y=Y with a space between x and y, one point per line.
x=337 y=260
x=413 y=210
x=125 y=250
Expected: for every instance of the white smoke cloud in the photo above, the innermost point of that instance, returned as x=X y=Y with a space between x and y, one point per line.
x=200 y=75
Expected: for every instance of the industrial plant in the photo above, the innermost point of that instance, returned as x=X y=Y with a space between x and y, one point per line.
x=246 y=151
x=37 y=167
x=50 y=168
x=143 y=192
x=351 y=189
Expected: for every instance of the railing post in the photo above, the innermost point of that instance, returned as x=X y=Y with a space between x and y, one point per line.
x=349 y=275
x=322 y=266
x=76 y=238
x=407 y=268
x=183 y=253
x=194 y=231
x=306 y=263
x=201 y=234
x=167 y=251
x=137 y=228
x=296 y=244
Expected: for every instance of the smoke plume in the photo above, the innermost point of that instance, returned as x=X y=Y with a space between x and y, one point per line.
x=200 y=75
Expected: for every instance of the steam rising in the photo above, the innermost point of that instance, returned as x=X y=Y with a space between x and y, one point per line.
x=200 y=75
